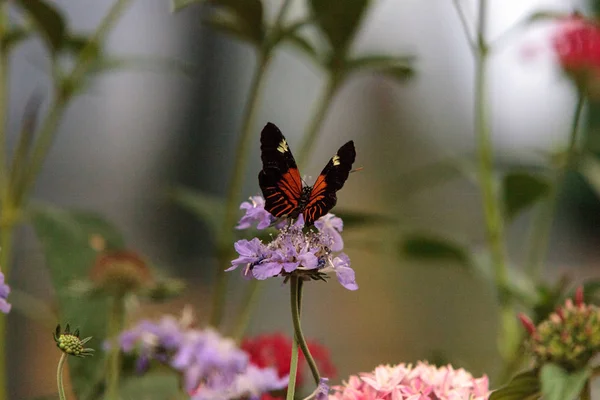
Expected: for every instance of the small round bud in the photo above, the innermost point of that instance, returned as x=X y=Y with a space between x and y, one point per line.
x=70 y=343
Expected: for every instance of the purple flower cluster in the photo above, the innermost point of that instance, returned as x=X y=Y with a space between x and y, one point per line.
x=213 y=367
x=294 y=250
x=5 y=306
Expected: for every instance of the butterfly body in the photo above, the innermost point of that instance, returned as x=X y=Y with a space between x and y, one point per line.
x=285 y=194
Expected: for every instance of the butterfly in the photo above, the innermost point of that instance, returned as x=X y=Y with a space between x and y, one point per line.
x=283 y=190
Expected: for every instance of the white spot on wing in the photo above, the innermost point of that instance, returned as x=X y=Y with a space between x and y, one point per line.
x=336 y=160
x=283 y=146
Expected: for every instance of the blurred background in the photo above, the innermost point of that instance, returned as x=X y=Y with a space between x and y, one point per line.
x=133 y=135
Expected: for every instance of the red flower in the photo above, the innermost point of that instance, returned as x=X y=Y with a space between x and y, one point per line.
x=275 y=351
x=577 y=44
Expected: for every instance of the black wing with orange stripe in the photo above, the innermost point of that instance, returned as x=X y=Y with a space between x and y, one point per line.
x=279 y=179
x=323 y=194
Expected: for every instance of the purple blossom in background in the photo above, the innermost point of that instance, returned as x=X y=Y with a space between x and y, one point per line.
x=255 y=213
x=212 y=366
x=295 y=251
x=5 y=306
x=322 y=392
x=251 y=384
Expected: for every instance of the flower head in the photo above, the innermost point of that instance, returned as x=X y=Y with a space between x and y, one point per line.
x=421 y=382
x=212 y=366
x=569 y=337
x=274 y=350
x=120 y=271
x=576 y=43
x=70 y=343
x=296 y=250
x=5 y=306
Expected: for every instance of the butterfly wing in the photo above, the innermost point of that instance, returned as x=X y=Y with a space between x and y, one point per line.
x=332 y=178
x=279 y=179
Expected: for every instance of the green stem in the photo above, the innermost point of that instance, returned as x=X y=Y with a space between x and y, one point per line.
x=65 y=93
x=586 y=393
x=542 y=224
x=116 y=318
x=4 y=103
x=491 y=200
x=235 y=189
x=59 y=377
x=313 y=129
x=248 y=306
x=296 y=289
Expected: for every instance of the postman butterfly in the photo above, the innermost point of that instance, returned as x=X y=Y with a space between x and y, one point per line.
x=283 y=190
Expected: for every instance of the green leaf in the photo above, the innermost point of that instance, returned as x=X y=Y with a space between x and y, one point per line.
x=589 y=167
x=151 y=386
x=558 y=384
x=546 y=15
x=207 y=208
x=48 y=20
x=303 y=45
x=14 y=37
x=64 y=236
x=75 y=43
x=338 y=20
x=521 y=190
x=524 y=386
x=178 y=5
x=353 y=219
x=143 y=63
x=247 y=15
x=432 y=248
x=400 y=68
x=227 y=23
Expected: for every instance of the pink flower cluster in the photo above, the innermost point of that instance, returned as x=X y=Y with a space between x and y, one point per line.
x=577 y=44
x=405 y=382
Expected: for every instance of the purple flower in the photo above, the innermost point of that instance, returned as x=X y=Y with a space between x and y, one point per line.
x=251 y=252
x=293 y=250
x=212 y=366
x=255 y=213
x=332 y=226
x=251 y=384
x=322 y=392
x=345 y=275
x=4 y=292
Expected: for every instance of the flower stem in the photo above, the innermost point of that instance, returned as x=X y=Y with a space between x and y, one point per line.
x=296 y=288
x=59 y=377
x=67 y=89
x=116 y=319
x=248 y=304
x=542 y=224
x=312 y=132
x=586 y=393
x=5 y=231
x=235 y=189
x=491 y=201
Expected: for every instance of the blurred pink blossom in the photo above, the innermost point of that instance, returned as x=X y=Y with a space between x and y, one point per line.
x=405 y=382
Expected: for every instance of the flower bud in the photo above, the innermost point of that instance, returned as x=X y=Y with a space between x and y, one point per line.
x=71 y=344
x=120 y=272
x=569 y=337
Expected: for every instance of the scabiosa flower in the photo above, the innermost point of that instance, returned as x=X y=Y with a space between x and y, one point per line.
x=120 y=272
x=70 y=343
x=212 y=366
x=307 y=253
x=405 y=382
x=569 y=337
x=5 y=306
x=274 y=350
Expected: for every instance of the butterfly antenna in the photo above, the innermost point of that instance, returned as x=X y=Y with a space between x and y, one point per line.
x=357 y=169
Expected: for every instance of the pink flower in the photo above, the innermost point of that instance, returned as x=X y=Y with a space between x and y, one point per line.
x=405 y=382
